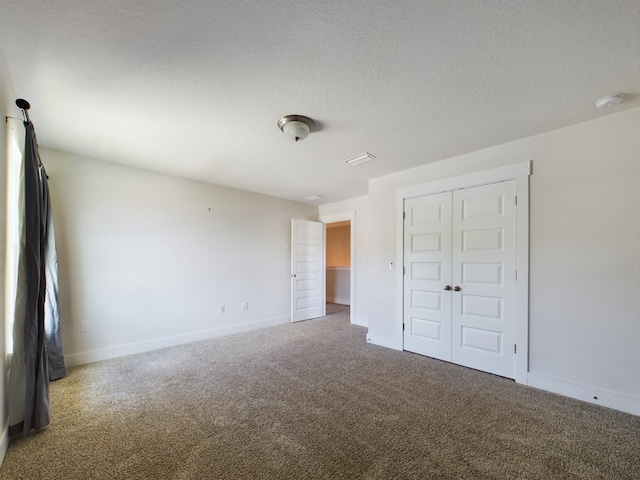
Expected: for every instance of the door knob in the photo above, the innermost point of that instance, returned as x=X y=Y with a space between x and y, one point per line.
x=447 y=287
x=456 y=288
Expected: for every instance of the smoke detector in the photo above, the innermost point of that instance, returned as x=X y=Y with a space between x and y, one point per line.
x=609 y=101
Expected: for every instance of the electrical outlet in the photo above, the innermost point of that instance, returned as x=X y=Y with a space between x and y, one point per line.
x=221 y=310
x=84 y=326
x=245 y=305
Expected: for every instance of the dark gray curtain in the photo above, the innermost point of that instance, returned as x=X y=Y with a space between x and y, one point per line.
x=52 y=333
x=37 y=345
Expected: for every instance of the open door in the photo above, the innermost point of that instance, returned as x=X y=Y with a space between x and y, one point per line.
x=307 y=270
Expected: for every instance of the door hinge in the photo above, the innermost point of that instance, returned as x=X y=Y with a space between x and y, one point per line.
x=515 y=348
x=403 y=327
x=516 y=200
x=516 y=274
x=404 y=215
x=404 y=271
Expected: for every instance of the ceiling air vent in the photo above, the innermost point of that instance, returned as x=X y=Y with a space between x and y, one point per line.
x=313 y=197
x=359 y=159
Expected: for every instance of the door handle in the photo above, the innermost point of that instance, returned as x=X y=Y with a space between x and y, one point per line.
x=456 y=288
x=293 y=275
x=447 y=287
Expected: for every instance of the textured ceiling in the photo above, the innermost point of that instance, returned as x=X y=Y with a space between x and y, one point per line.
x=195 y=88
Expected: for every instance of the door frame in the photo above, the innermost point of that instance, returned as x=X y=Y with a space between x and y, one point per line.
x=341 y=217
x=517 y=171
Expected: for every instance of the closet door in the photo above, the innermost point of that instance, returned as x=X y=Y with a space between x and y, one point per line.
x=427 y=263
x=484 y=278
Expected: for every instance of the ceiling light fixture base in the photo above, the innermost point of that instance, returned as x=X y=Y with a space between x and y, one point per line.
x=296 y=127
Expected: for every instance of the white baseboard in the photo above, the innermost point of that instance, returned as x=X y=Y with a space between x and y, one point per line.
x=597 y=396
x=338 y=300
x=4 y=443
x=384 y=341
x=155 y=344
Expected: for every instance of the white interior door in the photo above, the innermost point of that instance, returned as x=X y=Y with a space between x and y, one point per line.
x=307 y=270
x=484 y=278
x=427 y=263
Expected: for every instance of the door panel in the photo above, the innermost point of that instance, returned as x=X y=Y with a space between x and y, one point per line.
x=427 y=254
x=483 y=267
x=307 y=270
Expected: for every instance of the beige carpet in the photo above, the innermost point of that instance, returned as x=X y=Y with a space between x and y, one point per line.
x=314 y=401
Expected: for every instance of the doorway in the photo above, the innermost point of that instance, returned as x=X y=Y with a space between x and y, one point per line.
x=308 y=268
x=338 y=266
x=340 y=262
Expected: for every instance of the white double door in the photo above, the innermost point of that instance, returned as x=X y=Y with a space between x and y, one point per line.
x=460 y=277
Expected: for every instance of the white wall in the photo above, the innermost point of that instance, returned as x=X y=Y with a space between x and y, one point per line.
x=146 y=264
x=359 y=262
x=339 y=285
x=7 y=107
x=338 y=245
x=584 y=254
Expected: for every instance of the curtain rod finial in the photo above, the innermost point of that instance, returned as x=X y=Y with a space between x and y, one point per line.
x=23 y=104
